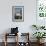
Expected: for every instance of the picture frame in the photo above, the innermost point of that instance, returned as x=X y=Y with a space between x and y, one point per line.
x=17 y=13
x=40 y=12
x=41 y=8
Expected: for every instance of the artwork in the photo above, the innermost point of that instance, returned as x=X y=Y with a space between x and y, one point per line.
x=17 y=13
x=41 y=12
x=41 y=8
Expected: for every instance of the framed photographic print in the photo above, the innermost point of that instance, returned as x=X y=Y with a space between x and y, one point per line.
x=17 y=13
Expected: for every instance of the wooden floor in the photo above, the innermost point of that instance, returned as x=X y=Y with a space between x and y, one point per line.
x=13 y=44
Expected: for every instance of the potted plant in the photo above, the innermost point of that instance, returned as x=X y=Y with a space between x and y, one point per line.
x=38 y=27
x=35 y=27
x=42 y=27
x=39 y=35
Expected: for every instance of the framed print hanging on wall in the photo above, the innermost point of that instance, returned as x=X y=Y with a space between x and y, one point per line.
x=41 y=12
x=17 y=13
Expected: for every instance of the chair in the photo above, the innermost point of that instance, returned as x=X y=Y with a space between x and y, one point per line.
x=14 y=32
x=7 y=35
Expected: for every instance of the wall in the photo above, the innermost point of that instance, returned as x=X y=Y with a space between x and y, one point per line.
x=6 y=15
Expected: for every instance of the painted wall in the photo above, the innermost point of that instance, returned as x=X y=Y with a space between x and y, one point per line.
x=6 y=15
